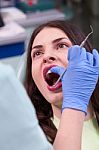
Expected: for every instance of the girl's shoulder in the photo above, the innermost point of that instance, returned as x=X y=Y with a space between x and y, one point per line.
x=90 y=135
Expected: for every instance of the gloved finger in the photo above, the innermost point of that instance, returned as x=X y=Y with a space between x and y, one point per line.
x=90 y=58
x=74 y=53
x=96 y=57
x=83 y=55
x=58 y=70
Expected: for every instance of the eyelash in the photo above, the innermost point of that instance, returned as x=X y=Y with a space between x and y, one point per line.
x=61 y=44
x=37 y=53
x=57 y=47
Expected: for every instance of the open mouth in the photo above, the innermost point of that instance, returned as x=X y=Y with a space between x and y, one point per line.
x=51 y=78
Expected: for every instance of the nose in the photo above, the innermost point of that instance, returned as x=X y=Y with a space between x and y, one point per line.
x=49 y=59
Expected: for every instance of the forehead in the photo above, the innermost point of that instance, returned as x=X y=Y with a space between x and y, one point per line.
x=49 y=34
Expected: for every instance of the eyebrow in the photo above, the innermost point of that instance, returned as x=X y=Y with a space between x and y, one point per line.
x=37 y=46
x=54 y=41
x=59 y=39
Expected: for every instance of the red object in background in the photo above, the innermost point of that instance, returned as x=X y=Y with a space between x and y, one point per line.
x=30 y=2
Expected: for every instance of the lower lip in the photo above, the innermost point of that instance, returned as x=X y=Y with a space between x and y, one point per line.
x=55 y=88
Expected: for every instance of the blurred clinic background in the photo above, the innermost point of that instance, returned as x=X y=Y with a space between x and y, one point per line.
x=18 y=18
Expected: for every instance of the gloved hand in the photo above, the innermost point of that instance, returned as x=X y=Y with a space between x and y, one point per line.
x=80 y=78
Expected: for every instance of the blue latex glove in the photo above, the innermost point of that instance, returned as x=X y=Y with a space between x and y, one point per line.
x=80 y=79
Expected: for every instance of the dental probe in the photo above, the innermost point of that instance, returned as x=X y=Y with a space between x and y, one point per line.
x=84 y=41
x=81 y=45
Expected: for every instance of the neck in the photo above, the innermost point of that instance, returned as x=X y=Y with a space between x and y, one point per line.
x=57 y=112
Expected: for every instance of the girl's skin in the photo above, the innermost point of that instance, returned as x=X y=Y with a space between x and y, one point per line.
x=50 y=48
x=46 y=99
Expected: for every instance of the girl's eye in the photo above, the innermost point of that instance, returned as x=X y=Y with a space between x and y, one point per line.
x=62 y=45
x=37 y=53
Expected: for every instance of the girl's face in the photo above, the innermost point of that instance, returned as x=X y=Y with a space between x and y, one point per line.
x=50 y=48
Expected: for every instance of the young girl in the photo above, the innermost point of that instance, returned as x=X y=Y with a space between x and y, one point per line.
x=48 y=47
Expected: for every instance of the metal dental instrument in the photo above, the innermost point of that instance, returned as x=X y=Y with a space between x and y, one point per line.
x=81 y=45
x=84 y=41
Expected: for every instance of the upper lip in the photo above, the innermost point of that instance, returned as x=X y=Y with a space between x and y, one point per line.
x=46 y=69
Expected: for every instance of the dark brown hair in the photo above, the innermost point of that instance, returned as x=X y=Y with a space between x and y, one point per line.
x=43 y=108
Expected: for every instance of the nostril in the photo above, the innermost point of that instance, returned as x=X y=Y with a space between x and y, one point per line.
x=48 y=59
x=52 y=58
x=44 y=60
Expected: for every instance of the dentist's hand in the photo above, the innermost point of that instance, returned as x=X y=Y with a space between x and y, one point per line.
x=79 y=81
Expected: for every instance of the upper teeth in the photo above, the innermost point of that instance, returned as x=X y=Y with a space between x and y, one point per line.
x=49 y=71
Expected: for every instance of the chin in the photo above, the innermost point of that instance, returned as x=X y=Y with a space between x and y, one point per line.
x=55 y=99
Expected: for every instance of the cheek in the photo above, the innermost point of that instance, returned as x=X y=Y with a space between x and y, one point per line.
x=65 y=59
x=35 y=78
x=34 y=72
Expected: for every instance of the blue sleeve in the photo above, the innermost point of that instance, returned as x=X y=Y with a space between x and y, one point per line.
x=19 y=129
